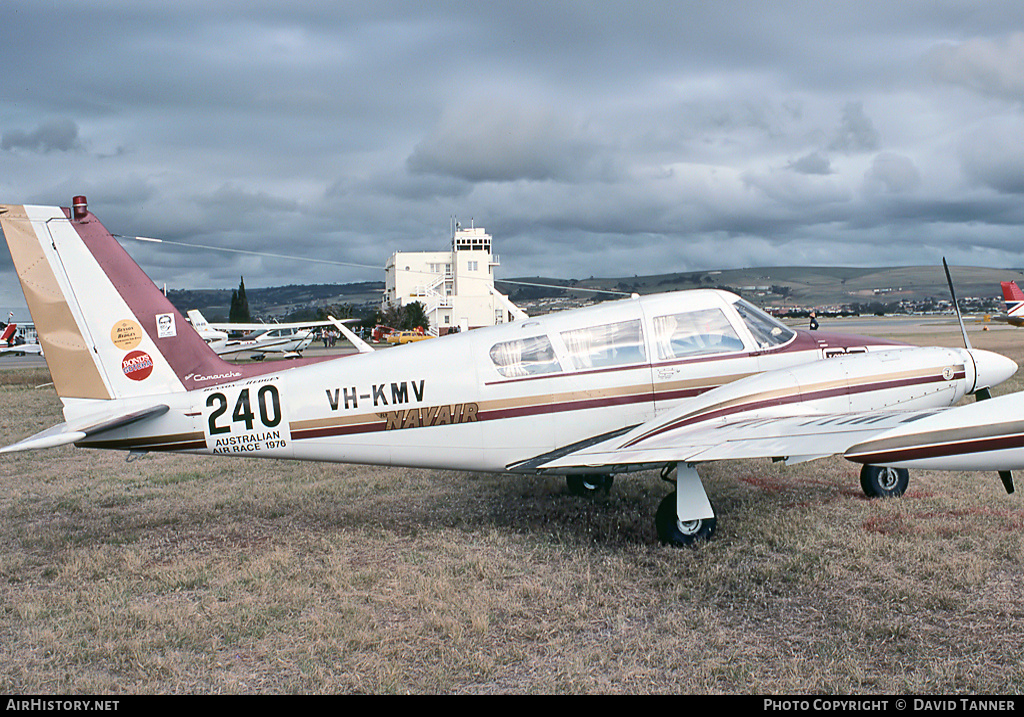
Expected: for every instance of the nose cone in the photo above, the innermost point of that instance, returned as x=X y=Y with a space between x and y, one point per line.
x=991 y=368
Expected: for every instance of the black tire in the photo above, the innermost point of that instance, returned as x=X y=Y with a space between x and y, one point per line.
x=589 y=484
x=672 y=531
x=883 y=482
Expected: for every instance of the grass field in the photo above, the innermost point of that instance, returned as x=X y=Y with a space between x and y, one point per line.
x=181 y=574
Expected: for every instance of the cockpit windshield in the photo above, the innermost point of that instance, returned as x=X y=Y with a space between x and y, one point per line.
x=767 y=332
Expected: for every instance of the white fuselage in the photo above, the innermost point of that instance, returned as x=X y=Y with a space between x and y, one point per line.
x=485 y=399
x=269 y=340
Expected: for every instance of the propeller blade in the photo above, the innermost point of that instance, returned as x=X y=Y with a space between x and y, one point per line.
x=956 y=306
x=982 y=393
x=1007 y=479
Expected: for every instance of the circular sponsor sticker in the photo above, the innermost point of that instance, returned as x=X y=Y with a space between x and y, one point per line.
x=126 y=334
x=948 y=373
x=137 y=365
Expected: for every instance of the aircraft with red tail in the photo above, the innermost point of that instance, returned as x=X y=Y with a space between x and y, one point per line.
x=1013 y=298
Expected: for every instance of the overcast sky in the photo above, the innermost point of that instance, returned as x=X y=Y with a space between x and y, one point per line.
x=588 y=138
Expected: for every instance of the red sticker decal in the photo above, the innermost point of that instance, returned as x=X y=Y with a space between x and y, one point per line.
x=137 y=365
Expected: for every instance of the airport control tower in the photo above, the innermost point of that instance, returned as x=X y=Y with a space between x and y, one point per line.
x=455 y=287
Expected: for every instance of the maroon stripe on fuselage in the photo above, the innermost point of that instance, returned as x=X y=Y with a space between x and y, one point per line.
x=183 y=442
x=576 y=405
x=495 y=414
x=942 y=450
x=346 y=430
x=789 y=399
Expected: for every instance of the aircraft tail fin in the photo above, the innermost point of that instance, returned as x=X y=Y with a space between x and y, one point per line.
x=106 y=330
x=361 y=346
x=199 y=322
x=1012 y=295
x=8 y=333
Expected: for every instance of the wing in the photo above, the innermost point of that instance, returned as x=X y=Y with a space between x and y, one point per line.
x=260 y=327
x=19 y=349
x=800 y=413
x=794 y=438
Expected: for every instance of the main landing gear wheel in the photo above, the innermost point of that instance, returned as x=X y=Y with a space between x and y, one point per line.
x=589 y=484
x=679 y=533
x=883 y=482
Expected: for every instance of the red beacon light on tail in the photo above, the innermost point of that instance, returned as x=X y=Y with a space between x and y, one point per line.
x=80 y=207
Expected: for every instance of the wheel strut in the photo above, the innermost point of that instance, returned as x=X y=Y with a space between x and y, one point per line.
x=686 y=516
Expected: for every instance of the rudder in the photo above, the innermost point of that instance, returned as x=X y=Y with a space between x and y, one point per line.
x=106 y=330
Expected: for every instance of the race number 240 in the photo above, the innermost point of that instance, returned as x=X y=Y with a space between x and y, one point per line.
x=267 y=407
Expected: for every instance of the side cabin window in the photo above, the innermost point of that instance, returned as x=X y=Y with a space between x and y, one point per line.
x=695 y=333
x=525 y=357
x=608 y=345
x=767 y=332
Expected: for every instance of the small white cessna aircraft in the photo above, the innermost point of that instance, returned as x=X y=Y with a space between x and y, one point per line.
x=209 y=334
x=666 y=380
x=287 y=337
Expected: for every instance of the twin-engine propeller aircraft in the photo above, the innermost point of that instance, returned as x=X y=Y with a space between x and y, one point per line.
x=669 y=380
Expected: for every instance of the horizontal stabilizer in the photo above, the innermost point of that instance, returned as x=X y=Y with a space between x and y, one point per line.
x=84 y=427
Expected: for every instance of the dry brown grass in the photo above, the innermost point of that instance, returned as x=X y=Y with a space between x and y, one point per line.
x=176 y=574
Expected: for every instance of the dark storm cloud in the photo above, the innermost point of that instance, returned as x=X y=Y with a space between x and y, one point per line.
x=813 y=163
x=589 y=139
x=491 y=142
x=994 y=156
x=53 y=136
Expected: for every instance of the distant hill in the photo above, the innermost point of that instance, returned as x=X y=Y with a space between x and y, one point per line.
x=801 y=286
x=793 y=286
x=277 y=301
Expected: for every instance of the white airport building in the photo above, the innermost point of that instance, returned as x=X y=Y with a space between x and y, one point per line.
x=455 y=287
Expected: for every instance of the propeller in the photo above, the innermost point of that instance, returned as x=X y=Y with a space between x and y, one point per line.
x=956 y=306
x=984 y=392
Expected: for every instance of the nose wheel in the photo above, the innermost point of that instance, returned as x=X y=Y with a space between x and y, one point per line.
x=589 y=484
x=883 y=482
